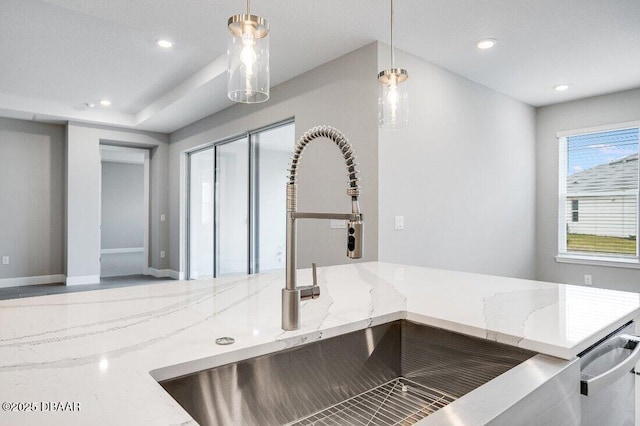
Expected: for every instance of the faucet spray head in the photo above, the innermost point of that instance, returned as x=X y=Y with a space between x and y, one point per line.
x=355 y=236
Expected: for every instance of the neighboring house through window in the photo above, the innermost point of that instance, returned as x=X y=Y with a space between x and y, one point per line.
x=598 y=203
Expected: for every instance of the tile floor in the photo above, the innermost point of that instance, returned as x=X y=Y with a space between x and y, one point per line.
x=45 y=289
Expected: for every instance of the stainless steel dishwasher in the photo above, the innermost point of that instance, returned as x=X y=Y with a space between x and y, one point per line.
x=607 y=379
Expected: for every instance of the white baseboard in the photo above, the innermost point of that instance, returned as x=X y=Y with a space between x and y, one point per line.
x=83 y=280
x=162 y=273
x=42 y=279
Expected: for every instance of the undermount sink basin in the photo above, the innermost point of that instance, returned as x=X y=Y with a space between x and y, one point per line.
x=399 y=372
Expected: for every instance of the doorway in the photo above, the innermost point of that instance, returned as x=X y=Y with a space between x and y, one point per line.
x=124 y=211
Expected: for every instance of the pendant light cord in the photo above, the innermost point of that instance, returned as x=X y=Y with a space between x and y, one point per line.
x=392 y=52
x=249 y=7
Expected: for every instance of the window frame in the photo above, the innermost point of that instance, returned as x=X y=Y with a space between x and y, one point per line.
x=562 y=255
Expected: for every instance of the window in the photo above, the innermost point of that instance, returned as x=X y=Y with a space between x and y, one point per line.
x=598 y=203
x=575 y=215
x=237 y=203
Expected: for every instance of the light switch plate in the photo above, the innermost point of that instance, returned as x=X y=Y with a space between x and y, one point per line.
x=588 y=280
x=5 y=260
x=162 y=254
x=162 y=218
x=399 y=222
x=338 y=224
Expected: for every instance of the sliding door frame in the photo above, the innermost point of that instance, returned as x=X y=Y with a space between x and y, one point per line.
x=252 y=193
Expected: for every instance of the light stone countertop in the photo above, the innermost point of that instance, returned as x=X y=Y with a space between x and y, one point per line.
x=99 y=348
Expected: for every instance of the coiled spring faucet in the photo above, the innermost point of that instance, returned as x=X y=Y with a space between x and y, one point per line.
x=292 y=294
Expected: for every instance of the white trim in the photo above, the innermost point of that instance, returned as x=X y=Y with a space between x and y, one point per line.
x=562 y=194
x=183 y=213
x=122 y=250
x=163 y=273
x=23 y=281
x=147 y=212
x=563 y=256
x=123 y=161
x=82 y=280
x=598 y=129
x=147 y=198
x=599 y=261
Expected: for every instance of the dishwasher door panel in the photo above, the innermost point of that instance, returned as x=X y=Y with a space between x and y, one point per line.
x=613 y=406
x=608 y=381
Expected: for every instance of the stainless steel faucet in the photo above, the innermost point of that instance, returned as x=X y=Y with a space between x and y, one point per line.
x=292 y=294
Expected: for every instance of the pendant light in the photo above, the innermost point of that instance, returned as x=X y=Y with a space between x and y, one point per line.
x=248 y=56
x=393 y=99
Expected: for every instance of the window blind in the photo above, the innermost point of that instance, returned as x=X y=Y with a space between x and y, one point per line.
x=601 y=193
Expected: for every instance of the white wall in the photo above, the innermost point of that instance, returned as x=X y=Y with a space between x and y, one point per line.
x=31 y=199
x=83 y=196
x=596 y=111
x=462 y=174
x=341 y=93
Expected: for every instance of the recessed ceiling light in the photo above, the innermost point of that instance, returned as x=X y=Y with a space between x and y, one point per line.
x=560 y=87
x=165 y=43
x=89 y=105
x=486 y=43
x=105 y=102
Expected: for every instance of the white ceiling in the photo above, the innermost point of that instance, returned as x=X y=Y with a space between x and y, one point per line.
x=57 y=55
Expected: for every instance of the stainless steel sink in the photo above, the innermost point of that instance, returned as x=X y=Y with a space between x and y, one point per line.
x=395 y=373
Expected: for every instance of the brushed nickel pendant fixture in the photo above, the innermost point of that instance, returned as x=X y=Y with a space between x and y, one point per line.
x=248 y=58
x=393 y=98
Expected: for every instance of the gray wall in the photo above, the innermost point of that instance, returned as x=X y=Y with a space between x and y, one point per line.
x=341 y=93
x=31 y=198
x=83 y=195
x=123 y=207
x=597 y=111
x=462 y=174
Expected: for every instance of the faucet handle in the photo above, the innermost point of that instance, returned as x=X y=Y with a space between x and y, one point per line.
x=311 y=291
x=315 y=275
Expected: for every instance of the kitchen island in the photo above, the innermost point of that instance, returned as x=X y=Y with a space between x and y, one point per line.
x=95 y=357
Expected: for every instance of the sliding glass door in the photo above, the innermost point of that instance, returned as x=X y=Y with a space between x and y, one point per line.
x=237 y=204
x=201 y=225
x=232 y=208
x=271 y=152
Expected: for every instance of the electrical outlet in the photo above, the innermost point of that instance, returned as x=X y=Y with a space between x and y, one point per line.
x=399 y=222
x=162 y=254
x=163 y=218
x=338 y=224
x=5 y=260
x=587 y=280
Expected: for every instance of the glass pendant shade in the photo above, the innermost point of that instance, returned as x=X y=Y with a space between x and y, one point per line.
x=393 y=96
x=248 y=59
x=393 y=99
